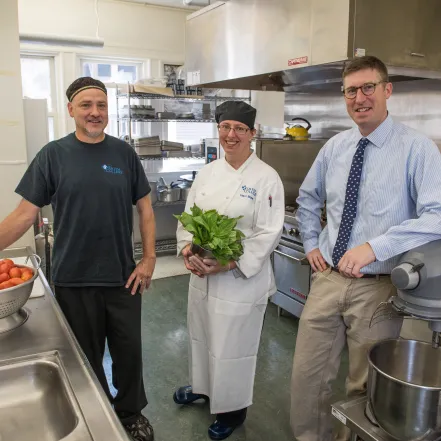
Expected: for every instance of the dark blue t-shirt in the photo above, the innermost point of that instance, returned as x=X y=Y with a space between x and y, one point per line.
x=92 y=189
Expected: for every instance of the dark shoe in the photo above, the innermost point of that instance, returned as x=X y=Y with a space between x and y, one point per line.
x=141 y=429
x=225 y=424
x=184 y=395
x=219 y=430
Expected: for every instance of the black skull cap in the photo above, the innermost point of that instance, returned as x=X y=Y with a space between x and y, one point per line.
x=236 y=111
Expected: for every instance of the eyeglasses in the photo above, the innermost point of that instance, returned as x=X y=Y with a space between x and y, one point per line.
x=225 y=128
x=366 y=88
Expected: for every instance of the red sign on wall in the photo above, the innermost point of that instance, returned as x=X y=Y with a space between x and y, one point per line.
x=299 y=60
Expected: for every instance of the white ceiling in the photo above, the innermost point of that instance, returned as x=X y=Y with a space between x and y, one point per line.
x=169 y=3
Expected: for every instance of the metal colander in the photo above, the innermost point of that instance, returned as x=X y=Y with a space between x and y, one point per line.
x=12 y=299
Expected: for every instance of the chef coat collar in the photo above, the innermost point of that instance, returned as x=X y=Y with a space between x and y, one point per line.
x=241 y=169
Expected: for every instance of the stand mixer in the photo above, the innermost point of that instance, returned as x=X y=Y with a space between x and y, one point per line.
x=403 y=399
x=418 y=279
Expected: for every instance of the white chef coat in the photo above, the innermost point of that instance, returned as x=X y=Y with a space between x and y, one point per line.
x=225 y=312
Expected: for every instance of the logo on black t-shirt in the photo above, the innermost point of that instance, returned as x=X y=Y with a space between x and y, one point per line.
x=113 y=170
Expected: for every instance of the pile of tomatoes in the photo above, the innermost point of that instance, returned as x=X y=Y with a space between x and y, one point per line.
x=12 y=275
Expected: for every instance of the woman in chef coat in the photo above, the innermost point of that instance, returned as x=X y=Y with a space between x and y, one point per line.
x=226 y=304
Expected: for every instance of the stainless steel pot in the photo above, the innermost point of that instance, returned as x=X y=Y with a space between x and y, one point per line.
x=185 y=191
x=154 y=191
x=165 y=115
x=166 y=194
x=185 y=187
x=404 y=388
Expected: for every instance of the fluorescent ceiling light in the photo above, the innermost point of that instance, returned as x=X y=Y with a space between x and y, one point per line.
x=55 y=40
x=196 y=2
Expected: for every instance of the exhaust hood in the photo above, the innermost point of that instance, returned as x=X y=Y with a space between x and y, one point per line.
x=302 y=45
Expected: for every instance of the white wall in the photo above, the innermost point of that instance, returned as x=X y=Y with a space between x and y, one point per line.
x=128 y=29
x=151 y=35
x=12 y=134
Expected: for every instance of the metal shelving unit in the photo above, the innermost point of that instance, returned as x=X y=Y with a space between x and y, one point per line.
x=166 y=246
x=149 y=96
x=185 y=120
x=191 y=98
x=167 y=204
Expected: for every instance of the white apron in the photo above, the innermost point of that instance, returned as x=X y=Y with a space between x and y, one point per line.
x=225 y=313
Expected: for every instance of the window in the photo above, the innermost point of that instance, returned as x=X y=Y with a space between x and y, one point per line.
x=111 y=72
x=104 y=72
x=38 y=82
x=190 y=133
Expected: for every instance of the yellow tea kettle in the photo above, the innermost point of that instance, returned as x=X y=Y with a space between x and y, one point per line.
x=298 y=132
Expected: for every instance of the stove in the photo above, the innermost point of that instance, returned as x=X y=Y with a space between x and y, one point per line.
x=291 y=231
x=291 y=268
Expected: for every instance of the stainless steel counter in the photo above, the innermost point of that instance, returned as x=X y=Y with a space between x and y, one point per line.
x=43 y=345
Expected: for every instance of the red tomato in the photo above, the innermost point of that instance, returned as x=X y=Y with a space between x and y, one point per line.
x=14 y=272
x=26 y=275
x=4 y=268
x=6 y=285
x=16 y=281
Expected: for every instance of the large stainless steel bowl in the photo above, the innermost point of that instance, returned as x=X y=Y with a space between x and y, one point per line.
x=404 y=388
x=12 y=299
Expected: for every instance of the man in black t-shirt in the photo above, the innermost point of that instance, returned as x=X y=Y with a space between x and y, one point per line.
x=92 y=180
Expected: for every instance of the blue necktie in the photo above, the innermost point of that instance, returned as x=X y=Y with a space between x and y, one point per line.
x=350 y=206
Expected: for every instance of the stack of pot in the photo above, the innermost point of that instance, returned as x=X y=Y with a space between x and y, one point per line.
x=168 y=193
x=185 y=183
x=176 y=190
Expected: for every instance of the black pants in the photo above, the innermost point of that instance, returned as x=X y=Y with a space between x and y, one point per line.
x=97 y=313
x=232 y=418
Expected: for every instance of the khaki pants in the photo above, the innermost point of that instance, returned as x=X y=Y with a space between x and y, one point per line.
x=338 y=310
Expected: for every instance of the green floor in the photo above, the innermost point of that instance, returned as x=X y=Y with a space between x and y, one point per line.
x=166 y=368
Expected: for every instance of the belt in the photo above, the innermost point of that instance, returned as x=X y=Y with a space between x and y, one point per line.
x=365 y=276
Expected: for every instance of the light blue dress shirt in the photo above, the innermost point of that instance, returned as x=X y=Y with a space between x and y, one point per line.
x=399 y=200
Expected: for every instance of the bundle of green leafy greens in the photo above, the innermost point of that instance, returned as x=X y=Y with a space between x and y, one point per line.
x=214 y=232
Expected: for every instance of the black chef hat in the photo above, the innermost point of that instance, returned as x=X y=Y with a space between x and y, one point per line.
x=84 y=83
x=236 y=111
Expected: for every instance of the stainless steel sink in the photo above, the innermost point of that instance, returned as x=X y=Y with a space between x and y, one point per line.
x=37 y=402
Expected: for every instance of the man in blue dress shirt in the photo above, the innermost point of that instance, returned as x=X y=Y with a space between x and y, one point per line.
x=382 y=185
